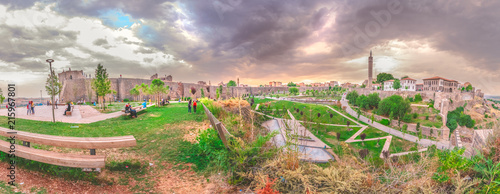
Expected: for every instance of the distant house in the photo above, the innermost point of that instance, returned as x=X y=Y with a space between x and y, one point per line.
x=419 y=87
x=439 y=84
x=301 y=84
x=376 y=86
x=408 y=84
x=334 y=83
x=389 y=85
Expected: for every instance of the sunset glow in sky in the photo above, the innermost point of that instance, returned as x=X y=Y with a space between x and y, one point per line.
x=258 y=41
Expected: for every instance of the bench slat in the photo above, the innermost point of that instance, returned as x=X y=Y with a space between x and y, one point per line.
x=73 y=142
x=60 y=159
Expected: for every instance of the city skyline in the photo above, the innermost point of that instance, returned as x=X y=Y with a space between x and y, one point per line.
x=304 y=41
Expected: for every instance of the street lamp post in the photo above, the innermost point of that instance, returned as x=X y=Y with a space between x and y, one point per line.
x=52 y=88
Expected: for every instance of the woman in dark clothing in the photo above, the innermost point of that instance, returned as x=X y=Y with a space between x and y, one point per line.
x=189 y=106
x=67 y=109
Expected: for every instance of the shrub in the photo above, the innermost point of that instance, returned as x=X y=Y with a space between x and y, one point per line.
x=405 y=127
x=415 y=115
x=384 y=122
x=407 y=118
x=426 y=117
x=452 y=124
x=418 y=97
x=126 y=100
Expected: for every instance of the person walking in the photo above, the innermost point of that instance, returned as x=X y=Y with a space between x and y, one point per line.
x=29 y=108
x=32 y=107
x=189 y=106
x=194 y=106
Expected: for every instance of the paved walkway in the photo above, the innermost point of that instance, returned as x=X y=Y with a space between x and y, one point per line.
x=423 y=142
x=308 y=153
x=82 y=114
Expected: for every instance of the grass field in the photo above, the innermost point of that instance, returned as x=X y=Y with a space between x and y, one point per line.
x=310 y=112
x=159 y=133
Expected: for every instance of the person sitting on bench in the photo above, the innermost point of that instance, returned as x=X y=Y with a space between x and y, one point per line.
x=67 y=109
x=128 y=109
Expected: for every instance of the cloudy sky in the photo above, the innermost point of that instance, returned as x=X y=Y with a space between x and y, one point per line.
x=257 y=41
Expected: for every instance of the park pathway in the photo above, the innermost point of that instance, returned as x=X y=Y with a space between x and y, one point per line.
x=423 y=142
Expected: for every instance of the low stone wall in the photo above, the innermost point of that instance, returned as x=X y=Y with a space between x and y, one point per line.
x=427 y=131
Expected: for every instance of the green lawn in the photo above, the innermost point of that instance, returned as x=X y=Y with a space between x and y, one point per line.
x=372 y=132
x=159 y=133
x=374 y=151
x=400 y=145
x=311 y=111
x=332 y=130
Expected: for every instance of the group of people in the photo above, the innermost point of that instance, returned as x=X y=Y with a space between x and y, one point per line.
x=50 y=102
x=193 y=103
x=129 y=109
x=31 y=108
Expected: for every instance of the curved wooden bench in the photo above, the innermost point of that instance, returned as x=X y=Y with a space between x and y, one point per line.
x=60 y=159
x=72 y=142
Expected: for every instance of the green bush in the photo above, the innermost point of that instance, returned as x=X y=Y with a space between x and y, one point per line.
x=427 y=117
x=384 y=122
x=126 y=100
x=418 y=97
x=415 y=115
x=407 y=118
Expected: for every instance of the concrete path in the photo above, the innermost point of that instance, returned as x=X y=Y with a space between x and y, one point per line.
x=80 y=114
x=312 y=154
x=423 y=142
x=405 y=153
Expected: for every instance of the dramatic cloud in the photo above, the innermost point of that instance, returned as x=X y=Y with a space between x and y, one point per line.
x=258 y=40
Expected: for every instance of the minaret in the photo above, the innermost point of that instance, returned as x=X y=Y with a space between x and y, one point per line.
x=238 y=82
x=370 y=71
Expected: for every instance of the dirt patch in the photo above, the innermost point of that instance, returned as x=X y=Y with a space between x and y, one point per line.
x=27 y=179
x=187 y=181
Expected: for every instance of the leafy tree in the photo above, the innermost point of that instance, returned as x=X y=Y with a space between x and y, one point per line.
x=404 y=77
x=231 y=83
x=293 y=90
x=395 y=104
x=359 y=112
x=2 y=98
x=291 y=84
x=469 y=88
x=418 y=97
x=373 y=100
x=101 y=84
x=202 y=93
x=53 y=88
x=363 y=86
x=397 y=84
x=362 y=102
x=157 y=88
x=134 y=92
x=363 y=136
x=348 y=123
x=352 y=96
x=382 y=77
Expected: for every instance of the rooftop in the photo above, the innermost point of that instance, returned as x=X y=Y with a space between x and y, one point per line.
x=437 y=77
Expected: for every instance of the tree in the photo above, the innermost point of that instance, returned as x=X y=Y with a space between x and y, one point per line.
x=134 y=92
x=231 y=83
x=373 y=100
x=348 y=123
x=395 y=104
x=352 y=96
x=397 y=84
x=291 y=84
x=293 y=90
x=404 y=77
x=202 y=93
x=101 y=84
x=53 y=88
x=363 y=136
x=382 y=77
x=2 y=98
x=418 y=97
x=469 y=88
x=157 y=88
x=362 y=102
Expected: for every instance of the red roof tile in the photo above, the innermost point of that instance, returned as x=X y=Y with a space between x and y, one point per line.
x=437 y=77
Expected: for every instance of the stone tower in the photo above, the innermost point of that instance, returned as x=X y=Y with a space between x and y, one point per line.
x=238 y=83
x=370 y=71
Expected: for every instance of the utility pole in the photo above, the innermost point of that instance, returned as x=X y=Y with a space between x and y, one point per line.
x=52 y=88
